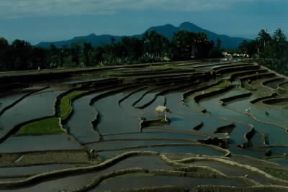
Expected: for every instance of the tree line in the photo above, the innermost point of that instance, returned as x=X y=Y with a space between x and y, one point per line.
x=151 y=47
x=272 y=49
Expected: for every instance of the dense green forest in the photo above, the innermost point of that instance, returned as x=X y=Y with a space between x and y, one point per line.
x=151 y=47
x=271 y=49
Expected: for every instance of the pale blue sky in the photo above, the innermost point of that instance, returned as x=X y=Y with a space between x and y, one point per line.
x=50 y=20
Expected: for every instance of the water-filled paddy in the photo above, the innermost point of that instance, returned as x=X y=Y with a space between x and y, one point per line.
x=79 y=180
x=209 y=114
x=37 y=105
x=140 y=181
x=80 y=124
x=14 y=172
x=38 y=143
x=238 y=113
x=10 y=99
x=169 y=148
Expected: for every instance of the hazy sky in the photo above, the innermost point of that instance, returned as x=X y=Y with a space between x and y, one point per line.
x=49 y=20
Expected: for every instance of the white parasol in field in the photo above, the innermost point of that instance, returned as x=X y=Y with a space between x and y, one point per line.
x=160 y=109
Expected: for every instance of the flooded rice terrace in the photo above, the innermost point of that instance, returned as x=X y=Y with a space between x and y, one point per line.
x=222 y=124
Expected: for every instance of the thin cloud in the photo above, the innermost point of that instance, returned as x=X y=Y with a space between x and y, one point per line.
x=22 y=8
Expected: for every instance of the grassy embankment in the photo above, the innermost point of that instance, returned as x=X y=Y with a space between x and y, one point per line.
x=65 y=106
x=224 y=84
x=51 y=125
x=279 y=173
x=47 y=126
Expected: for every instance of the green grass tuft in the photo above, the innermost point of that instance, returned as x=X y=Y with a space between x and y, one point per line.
x=65 y=103
x=47 y=126
x=279 y=173
x=225 y=83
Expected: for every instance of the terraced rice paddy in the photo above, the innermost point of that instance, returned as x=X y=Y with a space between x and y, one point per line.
x=227 y=130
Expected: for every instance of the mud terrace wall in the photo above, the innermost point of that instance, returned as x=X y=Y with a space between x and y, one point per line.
x=196 y=126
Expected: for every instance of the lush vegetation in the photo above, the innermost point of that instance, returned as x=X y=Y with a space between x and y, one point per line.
x=271 y=48
x=225 y=83
x=45 y=126
x=279 y=173
x=51 y=125
x=151 y=47
x=65 y=103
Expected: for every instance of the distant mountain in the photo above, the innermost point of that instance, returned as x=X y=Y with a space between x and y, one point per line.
x=165 y=30
x=226 y=41
x=95 y=40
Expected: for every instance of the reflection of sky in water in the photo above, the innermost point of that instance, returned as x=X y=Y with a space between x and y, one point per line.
x=235 y=112
x=8 y=100
x=139 y=181
x=80 y=123
x=122 y=121
x=35 y=106
x=38 y=143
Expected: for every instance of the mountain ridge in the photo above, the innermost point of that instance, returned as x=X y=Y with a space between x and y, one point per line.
x=166 y=30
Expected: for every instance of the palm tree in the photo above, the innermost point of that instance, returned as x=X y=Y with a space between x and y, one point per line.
x=184 y=45
x=4 y=46
x=279 y=36
x=264 y=39
x=87 y=50
x=155 y=45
